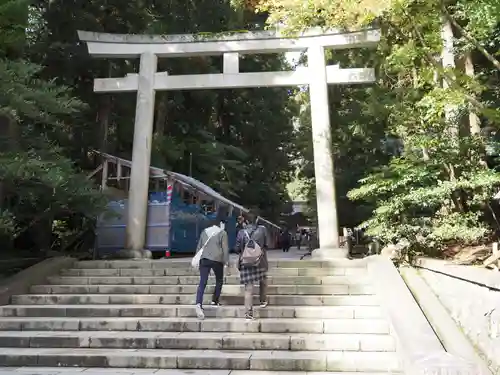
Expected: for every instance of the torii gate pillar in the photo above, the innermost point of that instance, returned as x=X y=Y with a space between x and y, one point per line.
x=317 y=75
x=141 y=155
x=328 y=229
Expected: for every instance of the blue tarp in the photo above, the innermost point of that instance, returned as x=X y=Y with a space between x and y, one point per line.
x=186 y=221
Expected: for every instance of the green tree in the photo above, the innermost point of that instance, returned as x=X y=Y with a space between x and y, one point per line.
x=238 y=141
x=436 y=187
x=37 y=182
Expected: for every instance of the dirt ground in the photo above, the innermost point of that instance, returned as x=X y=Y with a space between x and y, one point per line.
x=468 y=254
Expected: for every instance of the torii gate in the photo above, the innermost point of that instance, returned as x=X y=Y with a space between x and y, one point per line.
x=317 y=75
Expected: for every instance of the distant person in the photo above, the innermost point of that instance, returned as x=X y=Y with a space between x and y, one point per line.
x=298 y=238
x=285 y=240
x=252 y=245
x=214 y=245
x=312 y=240
x=309 y=240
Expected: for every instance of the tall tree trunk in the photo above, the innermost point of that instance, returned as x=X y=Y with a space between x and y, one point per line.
x=9 y=130
x=470 y=38
x=474 y=122
x=448 y=61
x=103 y=114
x=451 y=111
x=158 y=156
x=161 y=114
x=414 y=74
x=2 y=195
x=103 y=120
x=223 y=117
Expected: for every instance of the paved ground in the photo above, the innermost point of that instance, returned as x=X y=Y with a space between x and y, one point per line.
x=104 y=371
x=83 y=371
x=293 y=254
x=130 y=371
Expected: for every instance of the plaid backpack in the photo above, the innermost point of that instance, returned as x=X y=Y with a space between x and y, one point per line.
x=252 y=252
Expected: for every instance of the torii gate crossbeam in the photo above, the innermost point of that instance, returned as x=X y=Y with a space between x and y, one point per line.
x=317 y=75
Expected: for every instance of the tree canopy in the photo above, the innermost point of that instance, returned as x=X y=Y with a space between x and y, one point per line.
x=238 y=141
x=415 y=153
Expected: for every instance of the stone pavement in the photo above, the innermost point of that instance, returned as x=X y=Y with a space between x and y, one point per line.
x=292 y=254
x=128 y=371
x=137 y=317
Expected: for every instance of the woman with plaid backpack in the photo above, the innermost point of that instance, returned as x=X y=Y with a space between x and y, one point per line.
x=252 y=244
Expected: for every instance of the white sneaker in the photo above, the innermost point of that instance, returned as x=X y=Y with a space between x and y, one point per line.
x=199 y=312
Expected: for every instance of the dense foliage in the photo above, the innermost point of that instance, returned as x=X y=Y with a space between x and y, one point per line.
x=38 y=183
x=421 y=141
x=416 y=154
x=238 y=141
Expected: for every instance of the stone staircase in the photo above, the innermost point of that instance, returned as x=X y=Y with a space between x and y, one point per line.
x=322 y=317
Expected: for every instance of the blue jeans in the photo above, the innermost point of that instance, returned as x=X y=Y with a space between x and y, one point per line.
x=206 y=265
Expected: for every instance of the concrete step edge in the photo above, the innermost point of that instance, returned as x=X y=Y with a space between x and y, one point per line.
x=193 y=280
x=164 y=306
x=186 y=263
x=196 y=285
x=186 y=272
x=227 y=275
x=189 y=289
x=183 y=299
x=178 y=294
x=158 y=310
x=202 y=359
x=265 y=325
x=162 y=334
x=127 y=371
x=177 y=319
x=198 y=340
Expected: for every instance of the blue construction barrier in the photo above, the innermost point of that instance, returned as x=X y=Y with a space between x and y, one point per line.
x=175 y=227
x=187 y=221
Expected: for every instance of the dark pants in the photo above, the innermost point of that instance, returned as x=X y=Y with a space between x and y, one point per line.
x=206 y=265
x=286 y=246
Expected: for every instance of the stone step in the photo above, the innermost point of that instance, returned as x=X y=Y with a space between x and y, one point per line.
x=266 y=325
x=186 y=263
x=188 y=311
x=230 y=271
x=198 y=340
x=202 y=359
x=194 y=280
x=191 y=289
x=34 y=370
x=189 y=299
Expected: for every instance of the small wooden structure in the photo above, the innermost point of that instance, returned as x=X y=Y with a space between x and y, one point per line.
x=179 y=208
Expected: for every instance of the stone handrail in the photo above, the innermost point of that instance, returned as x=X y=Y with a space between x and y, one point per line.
x=421 y=349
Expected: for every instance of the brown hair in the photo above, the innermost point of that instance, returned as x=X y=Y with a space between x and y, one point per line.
x=250 y=217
